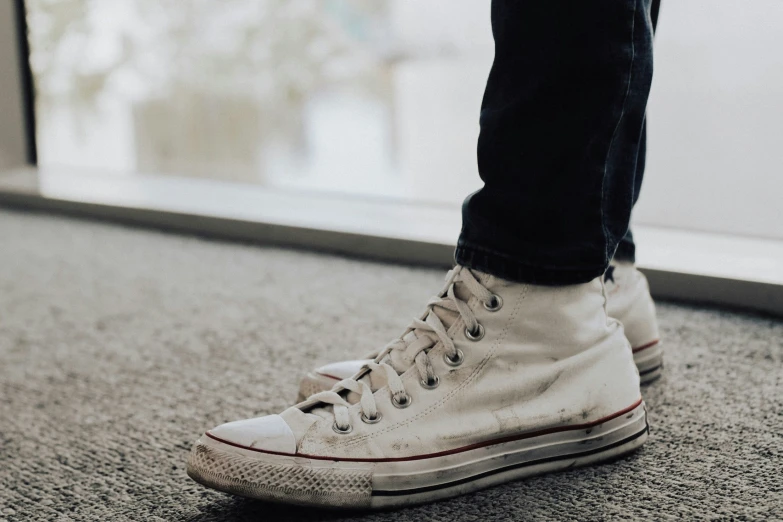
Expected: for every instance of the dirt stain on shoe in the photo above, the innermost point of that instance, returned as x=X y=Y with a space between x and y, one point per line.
x=399 y=444
x=544 y=386
x=587 y=411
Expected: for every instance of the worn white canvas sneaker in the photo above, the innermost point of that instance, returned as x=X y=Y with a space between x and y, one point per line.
x=628 y=300
x=494 y=382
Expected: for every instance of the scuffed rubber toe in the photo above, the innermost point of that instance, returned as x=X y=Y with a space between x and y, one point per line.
x=269 y=433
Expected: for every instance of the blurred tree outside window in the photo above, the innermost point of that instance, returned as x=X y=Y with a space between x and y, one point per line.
x=211 y=84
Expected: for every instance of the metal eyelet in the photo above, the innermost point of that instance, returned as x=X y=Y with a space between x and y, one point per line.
x=494 y=304
x=372 y=420
x=455 y=361
x=403 y=402
x=337 y=429
x=475 y=336
x=430 y=385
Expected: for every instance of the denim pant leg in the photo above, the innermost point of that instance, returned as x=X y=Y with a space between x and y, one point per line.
x=626 y=249
x=561 y=126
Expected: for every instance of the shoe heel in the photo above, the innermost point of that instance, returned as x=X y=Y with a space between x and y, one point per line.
x=649 y=362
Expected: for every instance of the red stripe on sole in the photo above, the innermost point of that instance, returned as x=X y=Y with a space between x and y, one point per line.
x=645 y=346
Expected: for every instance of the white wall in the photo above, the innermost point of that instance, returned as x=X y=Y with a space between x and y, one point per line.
x=716 y=119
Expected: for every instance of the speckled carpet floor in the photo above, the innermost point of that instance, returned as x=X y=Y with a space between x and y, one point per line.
x=119 y=346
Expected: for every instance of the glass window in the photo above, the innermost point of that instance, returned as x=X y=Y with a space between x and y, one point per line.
x=381 y=97
x=349 y=96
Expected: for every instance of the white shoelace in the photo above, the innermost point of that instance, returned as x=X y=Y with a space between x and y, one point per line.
x=413 y=346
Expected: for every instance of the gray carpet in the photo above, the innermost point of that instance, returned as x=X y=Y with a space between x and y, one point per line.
x=120 y=346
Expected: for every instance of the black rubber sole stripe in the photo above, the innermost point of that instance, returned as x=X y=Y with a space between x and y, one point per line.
x=398 y=492
x=650 y=370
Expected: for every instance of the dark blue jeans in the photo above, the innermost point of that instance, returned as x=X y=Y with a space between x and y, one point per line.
x=562 y=142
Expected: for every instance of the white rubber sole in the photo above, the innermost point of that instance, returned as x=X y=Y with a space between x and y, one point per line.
x=365 y=483
x=649 y=361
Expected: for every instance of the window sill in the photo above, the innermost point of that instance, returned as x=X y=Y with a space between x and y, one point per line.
x=689 y=266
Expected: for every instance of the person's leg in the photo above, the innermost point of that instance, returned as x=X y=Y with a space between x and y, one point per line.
x=561 y=123
x=628 y=294
x=626 y=250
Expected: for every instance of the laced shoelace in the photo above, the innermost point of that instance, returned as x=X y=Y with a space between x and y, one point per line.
x=427 y=331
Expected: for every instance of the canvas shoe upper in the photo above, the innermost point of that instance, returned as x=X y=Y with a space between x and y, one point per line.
x=628 y=300
x=495 y=381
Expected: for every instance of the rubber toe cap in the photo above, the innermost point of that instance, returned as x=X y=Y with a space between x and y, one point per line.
x=270 y=433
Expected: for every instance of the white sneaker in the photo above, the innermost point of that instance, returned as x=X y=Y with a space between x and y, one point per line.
x=628 y=300
x=496 y=381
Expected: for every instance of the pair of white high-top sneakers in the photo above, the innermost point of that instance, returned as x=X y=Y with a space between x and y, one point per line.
x=494 y=381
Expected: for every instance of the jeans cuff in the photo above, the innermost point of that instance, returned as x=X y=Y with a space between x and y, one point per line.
x=511 y=269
